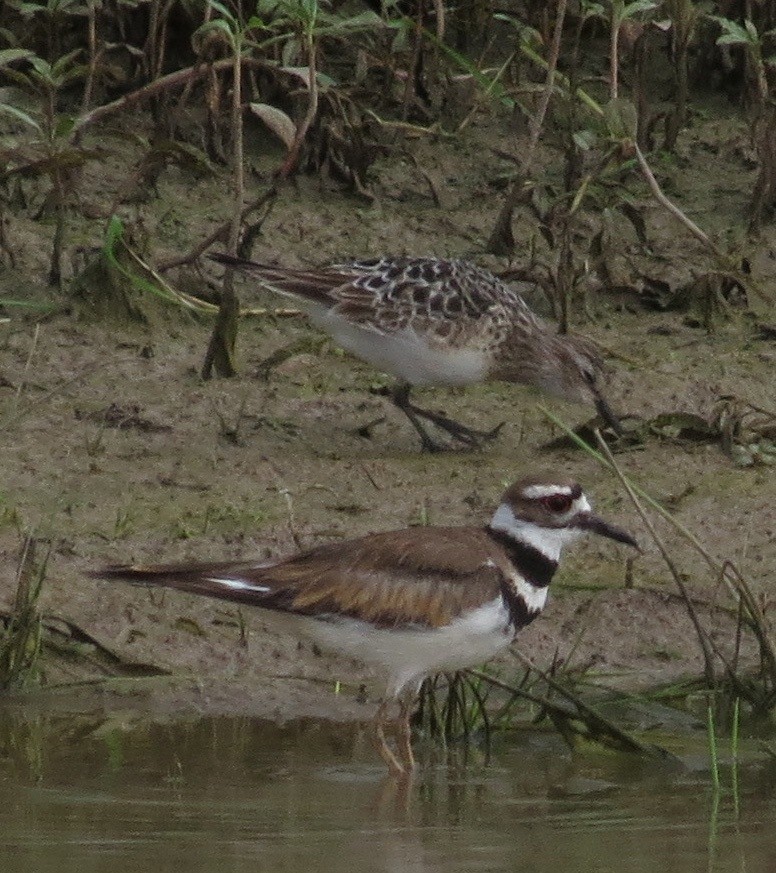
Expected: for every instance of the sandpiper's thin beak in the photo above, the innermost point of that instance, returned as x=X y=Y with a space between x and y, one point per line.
x=607 y=414
x=589 y=521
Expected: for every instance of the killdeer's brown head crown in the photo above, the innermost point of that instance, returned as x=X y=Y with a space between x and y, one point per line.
x=546 y=513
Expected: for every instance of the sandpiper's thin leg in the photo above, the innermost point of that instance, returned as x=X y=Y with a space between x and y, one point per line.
x=383 y=749
x=469 y=436
x=400 y=395
x=606 y=413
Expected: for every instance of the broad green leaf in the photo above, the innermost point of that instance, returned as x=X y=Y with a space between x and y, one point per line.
x=25 y=82
x=63 y=126
x=8 y=56
x=290 y=51
x=223 y=10
x=301 y=74
x=41 y=67
x=733 y=33
x=621 y=118
x=593 y=10
x=637 y=6
x=277 y=121
x=61 y=65
x=217 y=24
x=585 y=139
x=20 y=115
x=31 y=8
x=113 y=233
x=268 y=8
x=334 y=24
x=730 y=39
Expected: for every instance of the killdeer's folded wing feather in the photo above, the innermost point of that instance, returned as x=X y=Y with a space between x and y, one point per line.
x=406 y=577
x=418 y=576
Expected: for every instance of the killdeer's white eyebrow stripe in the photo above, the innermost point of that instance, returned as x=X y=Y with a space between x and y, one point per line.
x=533 y=492
x=548 y=541
x=239 y=585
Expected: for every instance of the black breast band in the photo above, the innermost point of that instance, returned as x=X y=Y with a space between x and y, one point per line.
x=528 y=562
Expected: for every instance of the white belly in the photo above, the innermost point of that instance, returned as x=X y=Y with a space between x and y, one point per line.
x=407 y=656
x=404 y=354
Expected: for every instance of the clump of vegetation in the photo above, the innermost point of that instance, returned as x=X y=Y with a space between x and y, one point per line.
x=20 y=628
x=324 y=82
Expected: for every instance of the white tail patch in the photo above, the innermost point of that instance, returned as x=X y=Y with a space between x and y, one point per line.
x=239 y=585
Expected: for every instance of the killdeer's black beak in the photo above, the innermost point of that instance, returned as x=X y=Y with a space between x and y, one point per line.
x=589 y=521
x=606 y=413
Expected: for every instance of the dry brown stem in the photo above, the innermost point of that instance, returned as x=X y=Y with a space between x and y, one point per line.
x=177 y=79
x=501 y=238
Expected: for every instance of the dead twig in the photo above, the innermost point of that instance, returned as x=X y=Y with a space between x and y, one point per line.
x=219 y=234
x=672 y=208
x=177 y=79
x=501 y=240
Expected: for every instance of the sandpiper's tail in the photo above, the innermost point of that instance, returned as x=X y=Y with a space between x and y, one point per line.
x=312 y=285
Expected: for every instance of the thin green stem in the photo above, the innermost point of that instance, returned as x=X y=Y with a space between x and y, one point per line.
x=713 y=759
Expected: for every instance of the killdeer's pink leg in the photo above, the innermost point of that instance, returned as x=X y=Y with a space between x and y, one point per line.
x=405 y=735
x=381 y=745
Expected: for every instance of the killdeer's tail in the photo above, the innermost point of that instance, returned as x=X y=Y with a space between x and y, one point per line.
x=226 y=580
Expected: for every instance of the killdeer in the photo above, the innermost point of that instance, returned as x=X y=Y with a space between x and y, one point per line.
x=410 y=603
x=429 y=321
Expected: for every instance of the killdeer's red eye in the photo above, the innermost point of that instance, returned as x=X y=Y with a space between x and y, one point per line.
x=558 y=502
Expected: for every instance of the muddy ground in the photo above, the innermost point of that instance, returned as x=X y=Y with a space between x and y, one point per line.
x=114 y=450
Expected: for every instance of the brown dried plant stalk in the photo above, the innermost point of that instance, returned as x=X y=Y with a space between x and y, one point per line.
x=501 y=240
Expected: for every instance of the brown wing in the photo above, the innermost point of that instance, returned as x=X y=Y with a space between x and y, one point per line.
x=425 y=576
x=435 y=295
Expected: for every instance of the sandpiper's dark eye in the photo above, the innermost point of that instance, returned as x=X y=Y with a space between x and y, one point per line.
x=558 y=502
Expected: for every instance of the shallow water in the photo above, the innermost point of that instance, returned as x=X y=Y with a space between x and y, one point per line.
x=82 y=794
